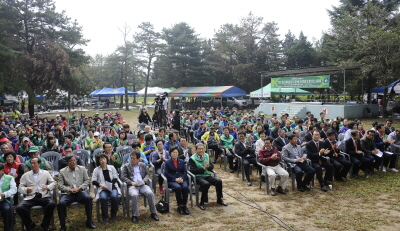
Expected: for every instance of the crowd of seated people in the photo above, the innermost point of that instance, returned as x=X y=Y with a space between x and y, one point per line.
x=275 y=146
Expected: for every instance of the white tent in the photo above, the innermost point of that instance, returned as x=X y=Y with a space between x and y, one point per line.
x=152 y=91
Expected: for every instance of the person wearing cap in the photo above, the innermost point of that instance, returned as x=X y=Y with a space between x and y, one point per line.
x=201 y=130
x=23 y=149
x=97 y=142
x=34 y=152
x=211 y=138
x=210 y=122
x=38 y=139
x=224 y=122
x=141 y=136
x=68 y=142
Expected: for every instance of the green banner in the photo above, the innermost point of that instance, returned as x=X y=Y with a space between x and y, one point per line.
x=302 y=82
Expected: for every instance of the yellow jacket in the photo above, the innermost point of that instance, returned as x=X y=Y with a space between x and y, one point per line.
x=207 y=135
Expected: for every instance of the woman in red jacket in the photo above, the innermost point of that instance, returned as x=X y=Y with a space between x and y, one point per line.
x=13 y=168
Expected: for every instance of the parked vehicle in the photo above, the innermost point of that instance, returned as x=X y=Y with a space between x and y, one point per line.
x=258 y=101
x=238 y=102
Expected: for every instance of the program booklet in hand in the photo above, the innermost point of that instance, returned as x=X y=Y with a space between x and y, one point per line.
x=109 y=186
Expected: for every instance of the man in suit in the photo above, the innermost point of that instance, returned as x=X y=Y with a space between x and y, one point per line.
x=36 y=184
x=370 y=150
x=8 y=188
x=243 y=148
x=341 y=165
x=292 y=154
x=72 y=182
x=394 y=139
x=201 y=167
x=308 y=136
x=389 y=128
x=324 y=131
x=353 y=148
x=281 y=140
x=316 y=152
x=62 y=163
x=274 y=132
x=185 y=152
x=136 y=174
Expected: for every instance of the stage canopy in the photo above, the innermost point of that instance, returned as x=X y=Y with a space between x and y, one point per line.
x=390 y=86
x=107 y=92
x=267 y=91
x=215 y=91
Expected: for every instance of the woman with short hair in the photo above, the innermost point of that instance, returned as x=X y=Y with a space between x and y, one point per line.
x=105 y=177
x=176 y=174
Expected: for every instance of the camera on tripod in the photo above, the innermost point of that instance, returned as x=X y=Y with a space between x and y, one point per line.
x=160 y=99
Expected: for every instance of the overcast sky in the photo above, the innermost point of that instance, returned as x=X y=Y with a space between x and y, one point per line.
x=101 y=19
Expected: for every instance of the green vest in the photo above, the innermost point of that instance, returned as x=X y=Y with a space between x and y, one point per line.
x=6 y=184
x=42 y=164
x=200 y=164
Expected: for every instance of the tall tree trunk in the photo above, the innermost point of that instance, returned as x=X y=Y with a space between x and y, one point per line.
x=31 y=106
x=147 y=79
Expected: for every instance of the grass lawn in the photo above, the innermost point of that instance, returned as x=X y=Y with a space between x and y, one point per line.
x=359 y=204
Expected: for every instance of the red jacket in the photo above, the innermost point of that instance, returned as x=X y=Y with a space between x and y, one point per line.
x=264 y=156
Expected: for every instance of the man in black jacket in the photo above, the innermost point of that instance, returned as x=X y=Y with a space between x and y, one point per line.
x=353 y=148
x=281 y=140
x=243 y=149
x=341 y=165
x=274 y=132
x=317 y=153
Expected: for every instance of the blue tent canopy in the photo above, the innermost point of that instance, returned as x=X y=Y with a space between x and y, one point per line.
x=381 y=89
x=39 y=97
x=107 y=92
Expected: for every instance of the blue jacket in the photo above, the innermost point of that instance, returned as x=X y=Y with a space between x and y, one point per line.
x=172 y=173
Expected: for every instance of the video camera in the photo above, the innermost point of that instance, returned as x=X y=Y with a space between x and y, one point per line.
x=160 y=99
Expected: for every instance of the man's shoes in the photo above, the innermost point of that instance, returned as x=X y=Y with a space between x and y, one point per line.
x=392 y=170
x=231 y=171
x=355 y=176
x=63 y=228
x=280 y=190
x=45 y=227
x=305 y=187
x=105 y=221
x=185 y=210
x=272 y=192
x=327 y=183
x=344 y=179
x=301 y=189
x=135 y=220
x=221 y=202
x=249 y=183
x=112 y=219
x=154 y=216
x=323 y=188
x=202 y=206
x=90 y=225
x=180 y=210
x=383 y=169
